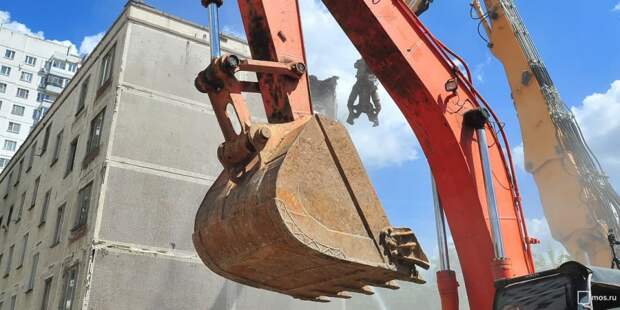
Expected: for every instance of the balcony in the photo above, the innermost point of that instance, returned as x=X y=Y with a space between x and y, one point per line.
x=53 y=89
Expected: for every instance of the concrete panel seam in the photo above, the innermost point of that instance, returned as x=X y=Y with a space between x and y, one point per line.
x=145 y=250
x=134 y=89
x=225 y=49
x=164 y=171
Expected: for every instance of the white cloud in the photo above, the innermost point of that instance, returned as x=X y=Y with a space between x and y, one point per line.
x=479 y=69
x=87 y=42
x=598 y=118
x=6 y=22
x=90 y=42
x=616 y=8
x=72 y=48
x=518 y=156
x=330 y=53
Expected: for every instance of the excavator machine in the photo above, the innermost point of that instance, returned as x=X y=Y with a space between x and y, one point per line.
x=293 y=210
x=580 y=204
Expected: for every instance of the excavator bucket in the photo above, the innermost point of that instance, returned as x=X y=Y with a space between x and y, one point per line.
x=302 y=218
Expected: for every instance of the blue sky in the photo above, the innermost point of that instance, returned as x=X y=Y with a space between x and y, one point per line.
x=579 y=43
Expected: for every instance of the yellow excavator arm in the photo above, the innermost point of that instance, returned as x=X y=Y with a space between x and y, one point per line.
x=580 y=204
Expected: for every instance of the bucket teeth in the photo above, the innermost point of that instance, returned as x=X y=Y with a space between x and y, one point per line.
x=366 y=290
x=392 y=285
x=316 y=299
x=342 y=295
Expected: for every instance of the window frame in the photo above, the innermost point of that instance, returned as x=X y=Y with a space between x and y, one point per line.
x=95 y=134
x=46 y=204
x=28 y=74
x=106 y=70
x=35 y=192
x=33 y=273
x=83 y=206
x=5 y=70
x=47 y=292
x=33 y=151
x=21 y=91
x=9 y=54
x=71 y=155
x=57 y=147
x=18 y=106
x=46 y=138
x=60 y=219
x=70 y=274
x=9 y=261
x=13 y=126
x=83 y=95
x=22 y=256
x=34 y=60
x=13 y=148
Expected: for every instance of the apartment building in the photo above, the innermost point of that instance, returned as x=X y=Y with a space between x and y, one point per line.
x=33 y=72
x=97 y=206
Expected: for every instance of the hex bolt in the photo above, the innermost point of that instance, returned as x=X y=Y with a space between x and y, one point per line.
x=231 y=63
x=264 y=133
x=299 y=68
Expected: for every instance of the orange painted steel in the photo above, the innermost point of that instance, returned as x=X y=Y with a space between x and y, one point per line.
x=415 y=70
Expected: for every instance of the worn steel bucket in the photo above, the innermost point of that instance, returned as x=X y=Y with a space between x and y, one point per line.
x=302 y=218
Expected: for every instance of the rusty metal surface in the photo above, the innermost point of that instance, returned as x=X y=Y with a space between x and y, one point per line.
x=303 y=219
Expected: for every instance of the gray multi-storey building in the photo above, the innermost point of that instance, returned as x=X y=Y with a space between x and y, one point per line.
x=33 y=72
x=97 y=206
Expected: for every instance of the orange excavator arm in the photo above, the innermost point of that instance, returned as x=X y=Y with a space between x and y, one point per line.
x=294 y=212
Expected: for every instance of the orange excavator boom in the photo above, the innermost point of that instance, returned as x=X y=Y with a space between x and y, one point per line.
x=294 y=211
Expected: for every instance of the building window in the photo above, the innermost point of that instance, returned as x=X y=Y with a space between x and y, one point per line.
x=46 y=204
x=43 y=97
x=68 y=294
x=30 y=61
x=46 y=139
x=35 y=192
x=39 y=113
x=94 y=136
x=24 y=248
x=59 y=221
x=57 y=63
x=3 y=162
x=47 y=289
x=107 y=63
x=19 y=171
x=26 y=76
x=83 y=93
x=18 y=110
x=56 y=81
x=14 y=127
x=57 y=147
x=22 y=93
x=9 y=54
x=2 y=88
x=10 y=145
x=7 y=267
x=71 y=66
x=83 y=206
x=71 y=156
x=33 y=272
x=20 y=211
x=33 y=152
x=13 y=302
x=5 y=70
x=8 y=186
